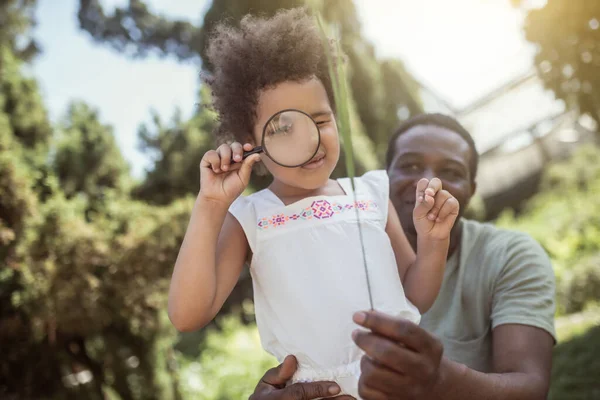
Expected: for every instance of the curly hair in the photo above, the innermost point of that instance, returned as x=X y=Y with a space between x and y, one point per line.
x=258 y=55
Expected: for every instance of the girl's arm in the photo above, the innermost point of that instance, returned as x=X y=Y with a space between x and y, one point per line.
x=214 y=248
x=421 y=274
x=208 y=266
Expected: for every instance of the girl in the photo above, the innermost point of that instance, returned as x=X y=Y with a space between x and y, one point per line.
x=299 y=236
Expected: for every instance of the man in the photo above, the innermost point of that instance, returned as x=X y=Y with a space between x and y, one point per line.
x=490 y=333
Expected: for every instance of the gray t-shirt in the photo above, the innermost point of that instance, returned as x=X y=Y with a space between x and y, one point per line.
x=504 y=277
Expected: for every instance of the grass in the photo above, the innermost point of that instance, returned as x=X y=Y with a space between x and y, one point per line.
x=576 y=359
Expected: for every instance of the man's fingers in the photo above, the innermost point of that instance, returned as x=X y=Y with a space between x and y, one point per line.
x=397 y=329
x=389 y=354
x=279 y=375
x=375 y=374
x=367 y=393
x=309 y=391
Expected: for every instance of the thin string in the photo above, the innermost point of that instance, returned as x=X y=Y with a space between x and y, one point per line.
x=362 y=244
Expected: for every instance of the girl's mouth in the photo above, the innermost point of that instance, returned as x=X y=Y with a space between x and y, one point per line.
x=316 y=162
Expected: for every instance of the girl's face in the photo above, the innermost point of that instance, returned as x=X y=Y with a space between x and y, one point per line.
x=308 y=96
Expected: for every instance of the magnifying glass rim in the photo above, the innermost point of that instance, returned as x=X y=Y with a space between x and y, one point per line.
x=264 y=148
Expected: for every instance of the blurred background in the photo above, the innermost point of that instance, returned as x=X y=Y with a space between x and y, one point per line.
x=103 y=121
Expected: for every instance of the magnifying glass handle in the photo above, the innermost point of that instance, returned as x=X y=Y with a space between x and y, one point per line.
x=256 y=150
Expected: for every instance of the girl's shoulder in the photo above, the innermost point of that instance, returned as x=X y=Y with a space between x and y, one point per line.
x=375 y=182
x=373 y=185
x=252 y=201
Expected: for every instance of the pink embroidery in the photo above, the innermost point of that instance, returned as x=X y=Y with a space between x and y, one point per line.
x=319 y=209
x=279 y=220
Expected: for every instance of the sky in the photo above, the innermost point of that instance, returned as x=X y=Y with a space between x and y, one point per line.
x=461 y=49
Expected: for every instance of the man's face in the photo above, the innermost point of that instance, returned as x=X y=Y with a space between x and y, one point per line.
x=428 y=151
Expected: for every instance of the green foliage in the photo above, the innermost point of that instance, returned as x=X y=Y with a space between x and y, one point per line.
x=230 y=366
x=84 y=268
x=579 y=285
x=572 y=239
x=177 y=150
x=566 y=34
x=87 y=160
x=20 y=100
x=576 y=367
x=16 y=21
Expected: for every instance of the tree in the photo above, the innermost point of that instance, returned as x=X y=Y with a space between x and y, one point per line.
x=177 y=150
x=566 y=34
x=86 y=159
x=385 y=87
x=21 y=103
x=80 y=292
x=16 y=21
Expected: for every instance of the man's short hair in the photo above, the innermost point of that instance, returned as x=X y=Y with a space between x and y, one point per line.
x=441 y=121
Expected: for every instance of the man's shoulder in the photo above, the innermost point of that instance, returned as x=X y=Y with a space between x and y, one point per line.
x=490 y=235
x=501 y=247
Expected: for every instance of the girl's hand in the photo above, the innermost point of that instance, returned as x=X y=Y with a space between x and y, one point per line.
x=435 y=210
x=223 y=174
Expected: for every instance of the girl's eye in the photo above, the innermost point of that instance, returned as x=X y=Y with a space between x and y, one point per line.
x=282 y=129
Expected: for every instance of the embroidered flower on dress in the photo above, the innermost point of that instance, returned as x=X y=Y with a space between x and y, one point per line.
x=320 y=209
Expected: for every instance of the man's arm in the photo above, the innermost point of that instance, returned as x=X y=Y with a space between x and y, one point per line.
x=403 y=361
x=522 y=360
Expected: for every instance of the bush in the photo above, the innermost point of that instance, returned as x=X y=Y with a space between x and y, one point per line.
x=576 y=368
x=565 y=219
x=579 y=286
x=231 y=364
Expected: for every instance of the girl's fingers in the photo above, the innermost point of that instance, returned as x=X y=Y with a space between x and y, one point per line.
x=440 y=199
x=211 y=160
x=435 y=185
x=237 y=152
x=449 y=208
x=225 y=153
x=421 y=186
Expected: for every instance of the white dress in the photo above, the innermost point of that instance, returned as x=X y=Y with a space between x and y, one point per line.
x=309 y=278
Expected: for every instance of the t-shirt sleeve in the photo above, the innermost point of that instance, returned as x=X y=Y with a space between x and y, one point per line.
x=243 y=211
x=525 y=287
x=378 y=184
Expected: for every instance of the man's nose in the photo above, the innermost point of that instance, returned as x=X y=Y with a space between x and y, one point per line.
x=427 y=173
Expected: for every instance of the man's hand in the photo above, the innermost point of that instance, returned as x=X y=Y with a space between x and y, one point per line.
x=402 y=360
x=272 y=385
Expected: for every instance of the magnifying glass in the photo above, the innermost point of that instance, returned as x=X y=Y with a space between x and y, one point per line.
x=290 y=138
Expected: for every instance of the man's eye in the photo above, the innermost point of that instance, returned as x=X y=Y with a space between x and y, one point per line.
x=410 y=167
x=451 y=173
